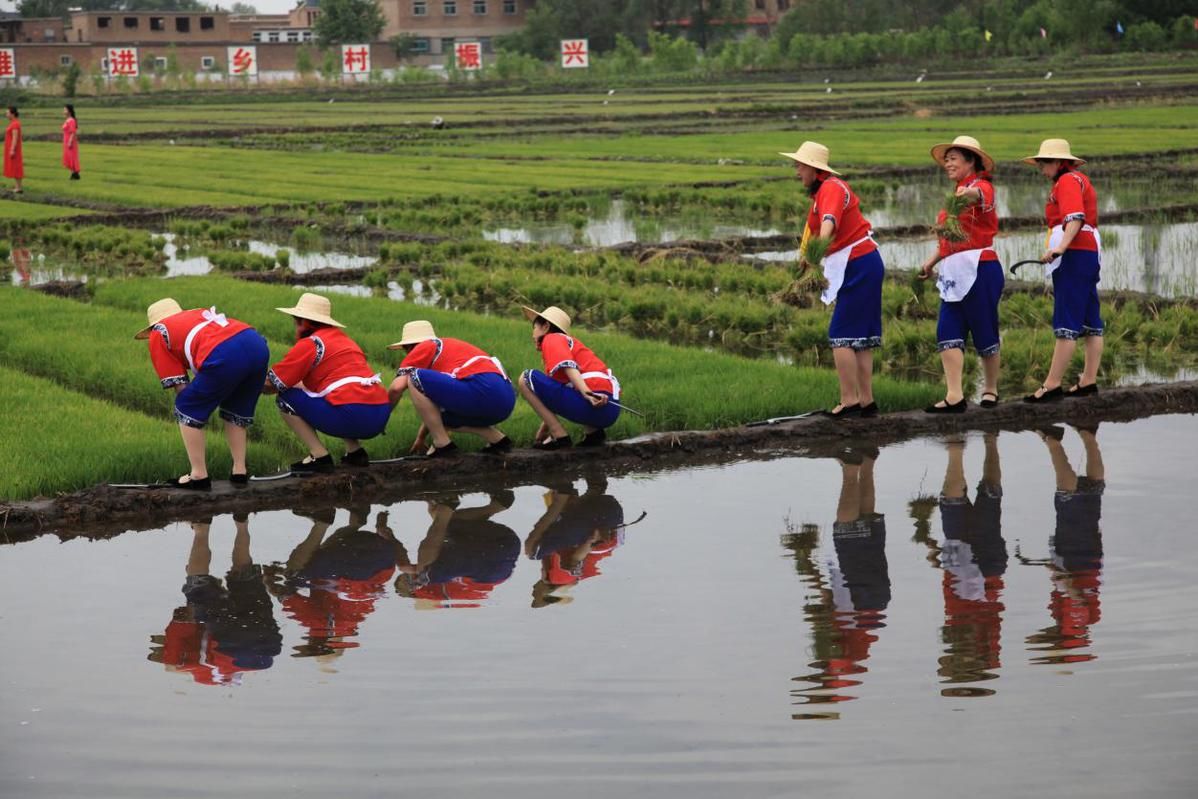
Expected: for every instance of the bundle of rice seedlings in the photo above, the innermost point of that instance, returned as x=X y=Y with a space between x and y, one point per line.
x=950 y=229
x=809 y=280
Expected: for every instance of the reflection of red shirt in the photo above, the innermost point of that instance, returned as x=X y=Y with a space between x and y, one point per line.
x=1075 y=607
x=189 y=648
x=836 y=201
x=560 y=352
x=979 y=221
x=337 y=607
x=1073 y=197
x=978 y=620
x=320 y=360
x=451 y=356
x=169 y=344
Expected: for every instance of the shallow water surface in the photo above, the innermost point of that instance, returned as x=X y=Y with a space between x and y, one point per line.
x=1018 y=611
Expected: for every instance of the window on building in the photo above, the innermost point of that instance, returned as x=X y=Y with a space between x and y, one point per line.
x=447 y=45
x=273 y=36
x=293 y=36
x=157 y=23
x=103 y=22
x=783 y=5
x=760 y=4
x=131 y=22
x=480 y=7
x=307 y=36
x=207 y=23
x=207 y=62
x=64 y=60
x=419 y=8
x=449 y=8
x=104 y=65
x=484 y=44
x=257 y=36
x=49 y=34
x=159 y=64
x=509 y=6
x=183 y=24
x=420 y=45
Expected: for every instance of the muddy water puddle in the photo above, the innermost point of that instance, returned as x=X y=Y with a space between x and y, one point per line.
x=1028 y=599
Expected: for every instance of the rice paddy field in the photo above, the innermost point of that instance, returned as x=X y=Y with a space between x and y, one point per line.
x=660 y=217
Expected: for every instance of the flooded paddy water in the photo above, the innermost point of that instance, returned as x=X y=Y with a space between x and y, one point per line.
x=1016 y=610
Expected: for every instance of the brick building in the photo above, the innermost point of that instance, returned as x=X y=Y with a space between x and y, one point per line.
x=437 y=24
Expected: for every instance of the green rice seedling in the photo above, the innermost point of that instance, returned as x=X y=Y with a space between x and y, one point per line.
x=950 y=229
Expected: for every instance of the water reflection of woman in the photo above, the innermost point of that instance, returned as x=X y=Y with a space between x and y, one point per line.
x=974 y=560
x=852 y=599
x=224 y=630
x=1076 y=561
x=572 y=536
x=331 y=582
x=21 y=258
x=462 y=558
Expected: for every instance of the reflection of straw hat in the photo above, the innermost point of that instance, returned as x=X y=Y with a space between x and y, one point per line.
x=156 y=313
x=414 y=333
x=553 y=315
x=963 y=143
x=1054 y=149
x=812 y=154
x=314 y=308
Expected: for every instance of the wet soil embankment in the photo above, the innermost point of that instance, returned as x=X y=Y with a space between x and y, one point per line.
x=104 y=511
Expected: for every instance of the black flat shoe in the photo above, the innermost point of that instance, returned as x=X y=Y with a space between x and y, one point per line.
x=1078 y=390
x=309 y=465
x=1049 y=395
x=558 y=443
x=845 y=412
x=359 y=457
x=595 y=439
x=191 y=483
x=956 y=407
x=239 y=479
x=498 y=448
x=448 y=451
x=869 y=411
x=989 y=403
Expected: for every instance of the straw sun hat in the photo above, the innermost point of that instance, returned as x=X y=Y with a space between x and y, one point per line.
x=1055 y=149
x=963 y=143
x=156 y=313
x=414 y=333
x=554 y=315
x=314 y=308
x=812 y=154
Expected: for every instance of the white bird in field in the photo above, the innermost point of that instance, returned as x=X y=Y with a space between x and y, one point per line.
x=827 y=80
x=1048 y=75
x=605 y=102
x=1138 y=83
x=332 y=100
x=610 y=92
x=172 y=142
x=919 y=79
x=829 y=90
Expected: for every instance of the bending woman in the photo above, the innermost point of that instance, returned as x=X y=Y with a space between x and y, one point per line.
x=854 y=270
x=971 y=277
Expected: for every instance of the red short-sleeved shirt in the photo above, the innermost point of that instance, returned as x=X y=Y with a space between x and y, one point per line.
x=323 y=358
x=979 y=221
x=452 y=356
x=1073 y=197
x=560 y=352
x=169 y=343
x=836 y=201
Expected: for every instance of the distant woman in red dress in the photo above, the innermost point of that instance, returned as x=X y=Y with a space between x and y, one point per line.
x=14 y=161
x=70 y=141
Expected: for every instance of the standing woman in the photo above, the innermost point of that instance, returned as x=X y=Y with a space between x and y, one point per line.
x=971 y=277
x=70 y=141
x=1073 y=260
x=14 y=159
x=854 y=270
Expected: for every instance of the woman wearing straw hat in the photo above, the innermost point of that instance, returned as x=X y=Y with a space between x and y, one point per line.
x=575 y=384
x=854 y=270
x=1073 y=260
x=325 y=385
x=227 y=361
x=455 y=386
x=971 y=277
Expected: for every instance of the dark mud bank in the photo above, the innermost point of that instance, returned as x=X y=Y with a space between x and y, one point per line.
x=103 y=511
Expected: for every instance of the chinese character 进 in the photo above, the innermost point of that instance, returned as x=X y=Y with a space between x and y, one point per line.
x=123 y=62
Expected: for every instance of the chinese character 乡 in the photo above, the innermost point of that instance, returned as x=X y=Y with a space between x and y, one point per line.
x=242 y=60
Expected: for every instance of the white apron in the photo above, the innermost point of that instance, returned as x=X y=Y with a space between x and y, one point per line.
x=1055 y=234
x=834 y=267
x=957 y=274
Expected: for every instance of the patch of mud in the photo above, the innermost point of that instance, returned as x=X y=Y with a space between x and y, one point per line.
x=104 y=511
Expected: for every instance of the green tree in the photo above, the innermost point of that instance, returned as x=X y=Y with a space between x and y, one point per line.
x=404 y=45
x=348 y=22
x=70 y=80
